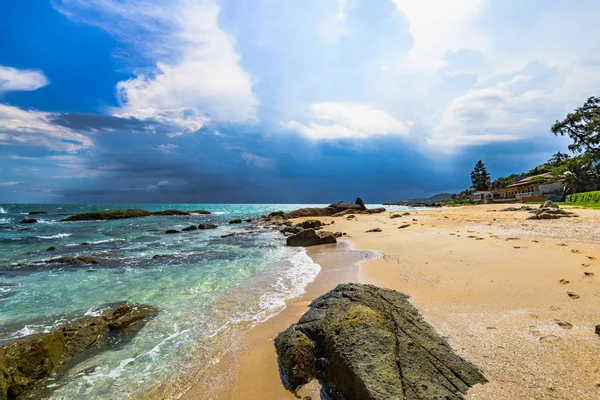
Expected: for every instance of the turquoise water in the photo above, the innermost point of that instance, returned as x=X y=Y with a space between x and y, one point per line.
x=202 y=286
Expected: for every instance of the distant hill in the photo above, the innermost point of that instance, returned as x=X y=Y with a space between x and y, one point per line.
x=438 y=198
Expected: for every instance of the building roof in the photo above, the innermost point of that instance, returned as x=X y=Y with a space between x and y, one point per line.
x=527 y=181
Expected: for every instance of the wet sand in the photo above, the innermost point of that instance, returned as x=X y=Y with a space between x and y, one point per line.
x=511 y=295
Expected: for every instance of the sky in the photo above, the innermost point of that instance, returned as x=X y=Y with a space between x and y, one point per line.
x=270 y=101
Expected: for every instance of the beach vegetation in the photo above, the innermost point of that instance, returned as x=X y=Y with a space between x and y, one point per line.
x=480 y=178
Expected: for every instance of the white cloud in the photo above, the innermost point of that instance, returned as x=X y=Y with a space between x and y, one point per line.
x=12 y=79
x=197 y=75
x=35 y=128
x=167 y=148
x=258 y=161
x=348 y=121
x=440 y=26
x=9 y=183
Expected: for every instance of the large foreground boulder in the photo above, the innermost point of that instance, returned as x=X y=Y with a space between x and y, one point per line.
x=365 y=342
x=30 y=359
x=310 y=237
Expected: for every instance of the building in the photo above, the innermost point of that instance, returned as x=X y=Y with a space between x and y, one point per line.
x=532 y=188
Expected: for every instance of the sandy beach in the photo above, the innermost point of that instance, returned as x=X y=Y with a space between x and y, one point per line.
x=516 y=297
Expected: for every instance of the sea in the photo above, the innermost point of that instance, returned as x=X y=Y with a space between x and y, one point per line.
x=202 y=283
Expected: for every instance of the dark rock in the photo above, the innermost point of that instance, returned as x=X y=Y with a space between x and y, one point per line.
x=235 y=221
x=343 y=206
x=190 y=228
x=406 y=213
x=171 y=231
x=311 y=212
x=404 y=226
x=598 y=330
x=351 y=216
x=170 y=213
x=338 y=234
x=203 y=212
x=549 y=204
x=564 y=324
x=310 y=237
x=394 y=216
x=374 y=230
x=365 y=342
x=78 y=260
x=159 y=256
x=33 y=358
x=550 y=213
x=207 y=226
x=234 y=234
x=29 y=221
x=375 y=210
x=51 y=248
x=361 y=203
x=108 y=215
x=310 y=223
x=38 y=213
x=84 y=244
x=277 y=214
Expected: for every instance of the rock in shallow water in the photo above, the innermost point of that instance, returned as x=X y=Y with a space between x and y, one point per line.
x=310 y=237
x=30 y=359
x=366 y=342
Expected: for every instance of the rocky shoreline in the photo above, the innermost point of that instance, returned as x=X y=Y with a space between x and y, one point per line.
x=25 y=363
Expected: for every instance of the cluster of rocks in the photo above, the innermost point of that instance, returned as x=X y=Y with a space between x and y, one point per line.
x=549 y=210
x=127 y=214
x=26 y=362
x=338 y=209
x=192 y=228
x=364 y=342
x=522 y=208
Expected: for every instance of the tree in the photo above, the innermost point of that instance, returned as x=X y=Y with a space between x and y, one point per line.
x=579 y=174
x=583 y=127
x=480 y=177
x=558 y=158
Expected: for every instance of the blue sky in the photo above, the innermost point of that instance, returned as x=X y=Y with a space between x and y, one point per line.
x=283 y=101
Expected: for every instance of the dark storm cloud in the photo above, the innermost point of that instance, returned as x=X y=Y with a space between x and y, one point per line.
x=88 y=122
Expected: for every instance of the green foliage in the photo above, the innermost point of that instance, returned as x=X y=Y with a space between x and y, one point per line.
x=579 y=174
x=480 y=178
x=585 y=197
x=558 y=159
x=459 y=202
x=583 y=127
x=540 y=180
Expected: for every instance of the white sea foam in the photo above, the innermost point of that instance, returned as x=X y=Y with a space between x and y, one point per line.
x=292 y=283
x=57 y=236
x=4 y=220
x=220 y=212
x=2 y=211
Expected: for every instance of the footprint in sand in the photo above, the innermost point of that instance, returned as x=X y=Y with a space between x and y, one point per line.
x=562 y=245
x=512 y=238
x=591 y=258
x=563 y=282
x=480 y=239
x=585 y=265
x=575 y=251
x=471 y=237
x=588 y=273
x=573 y=295
x=535 y=241
x=554 y=308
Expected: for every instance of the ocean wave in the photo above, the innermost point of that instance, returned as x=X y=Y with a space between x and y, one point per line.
x=57 y=236
x=220 y=212
x=5 y=220
x=302 y=271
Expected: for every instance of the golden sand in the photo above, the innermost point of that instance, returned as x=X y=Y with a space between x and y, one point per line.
x=511 y=295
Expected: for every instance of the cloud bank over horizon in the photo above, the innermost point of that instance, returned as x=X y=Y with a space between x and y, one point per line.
x=206 y=100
